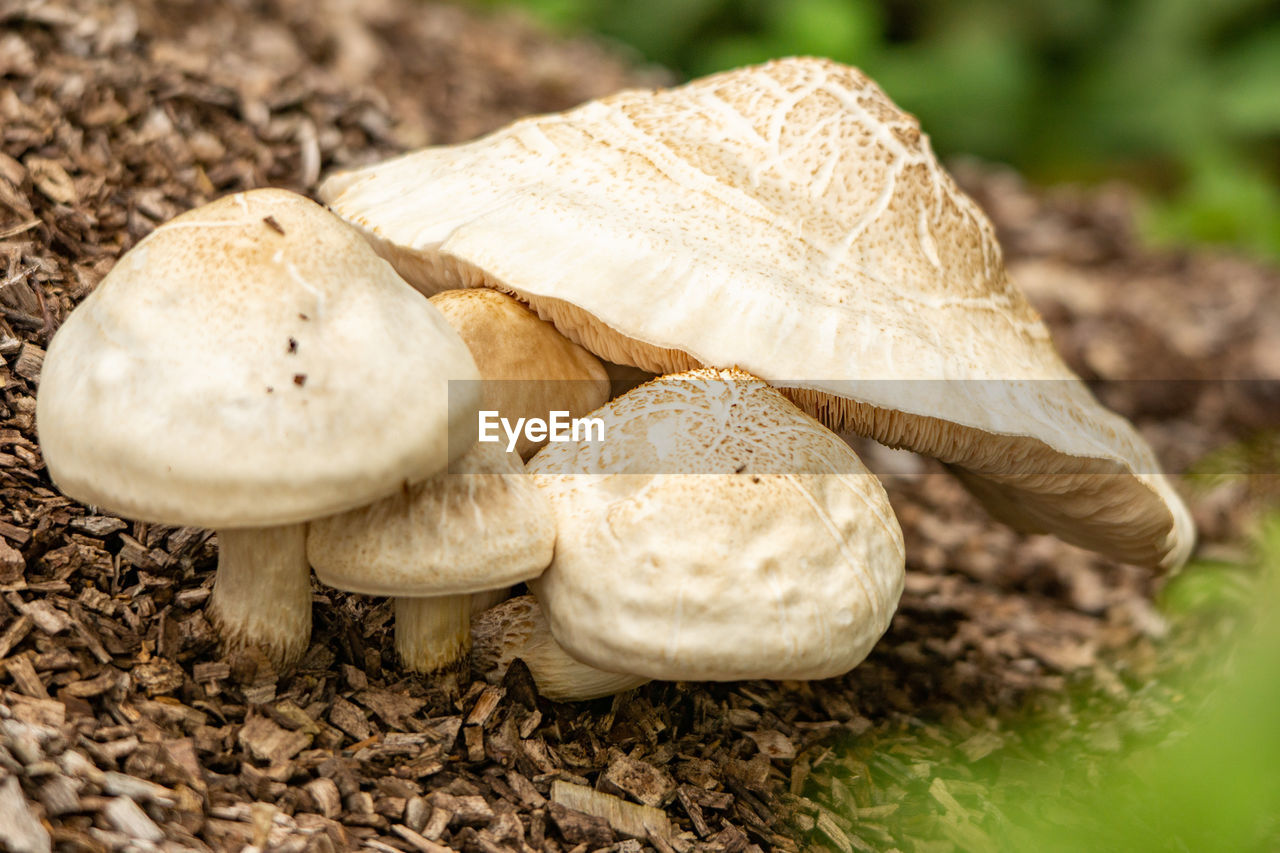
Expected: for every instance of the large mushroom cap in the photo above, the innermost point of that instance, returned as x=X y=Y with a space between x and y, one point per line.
x=716 y=533
x=790 y=220
x=250 y=363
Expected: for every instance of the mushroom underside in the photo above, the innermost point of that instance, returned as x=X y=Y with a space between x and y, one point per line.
x=1095 y=503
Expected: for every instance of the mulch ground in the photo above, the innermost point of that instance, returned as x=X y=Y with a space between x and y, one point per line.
x=122 y=727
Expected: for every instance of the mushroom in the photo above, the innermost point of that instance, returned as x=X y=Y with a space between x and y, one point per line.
x=529 y=369
x=790 y=220
x=517 y=628
x=482 y=525
x=454 y=545
x=718 y=533
x=233 y=371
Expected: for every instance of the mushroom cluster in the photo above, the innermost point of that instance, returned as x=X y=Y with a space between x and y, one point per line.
x=777 y=242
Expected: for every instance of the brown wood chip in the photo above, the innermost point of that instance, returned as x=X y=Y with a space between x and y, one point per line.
x=626 y=818
x=23 y=833
x=642 y=782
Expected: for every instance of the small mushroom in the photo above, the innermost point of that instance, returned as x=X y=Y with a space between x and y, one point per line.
x=517 y=628
x=718 y=533
x=232 y=372
x=483 y=525
x=790 y=220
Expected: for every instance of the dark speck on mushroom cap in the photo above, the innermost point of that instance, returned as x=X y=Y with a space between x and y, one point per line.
x=170 y=355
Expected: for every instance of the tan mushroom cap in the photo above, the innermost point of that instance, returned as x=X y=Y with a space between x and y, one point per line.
x=790 y=220
x=529 y=369
x=232 y=370
x=716 y=533
x=482 y=525
x=517 y=628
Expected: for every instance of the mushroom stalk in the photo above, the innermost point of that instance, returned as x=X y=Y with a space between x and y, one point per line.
x=262 y=592
x=483 y=600
x=560 y=678
x=517 y=628
x=434 y=632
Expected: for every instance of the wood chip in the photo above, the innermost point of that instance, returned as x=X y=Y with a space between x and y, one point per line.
x=773 y=744
x=29 y=362
x=158 y=676
x=325 y=793
x=137 y=789
x=59 y=795
x=268 y=742
x=350 y=719
x=45 y=616
x=485 y=705
x=14 y=633
x=827 y=826
x=525 y=790
x=694 y=811
x=395 y=709
x=577 y=827
x=131 y=820
x=473 y=737
x=12 y=563
x=50 y=178
x=100 y=526
x=22 y=832
x=24 y=676
x=95 y=686
x=463 y=810
x=643 y=782
x=437 y=823
x=419 y=842
x=626 y=818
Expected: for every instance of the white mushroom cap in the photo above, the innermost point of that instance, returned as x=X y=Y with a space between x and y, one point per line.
x=716 y=533
x=482 y=525
x=528 y=368
x=250 y=363
x=517 y=628
x=790 y=220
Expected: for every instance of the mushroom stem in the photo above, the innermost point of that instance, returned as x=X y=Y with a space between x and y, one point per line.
x=262 y=593
x=434 y=632
x=517 y=628
x=483 y=600
x=560 y=678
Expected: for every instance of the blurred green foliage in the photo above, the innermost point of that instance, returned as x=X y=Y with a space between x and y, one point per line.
x=1209 y=782
x=1183 y=761
x=1181 y=96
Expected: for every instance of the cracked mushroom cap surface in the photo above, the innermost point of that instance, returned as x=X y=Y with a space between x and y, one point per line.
x=231 y=371
x=483 y=524
x=528 y=369
x=790 y=220
x=716 y=533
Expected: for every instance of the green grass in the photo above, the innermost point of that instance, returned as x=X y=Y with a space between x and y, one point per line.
x=1187 y=761
x=1209 y=779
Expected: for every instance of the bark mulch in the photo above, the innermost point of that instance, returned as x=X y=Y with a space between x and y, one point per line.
x=122 y=728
